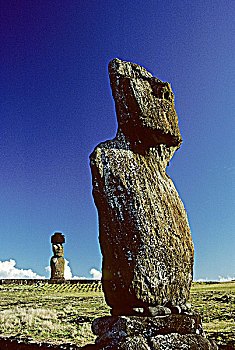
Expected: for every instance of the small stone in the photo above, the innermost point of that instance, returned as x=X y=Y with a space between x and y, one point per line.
x=157 y=311
x=176 y=310
x=188 y=306
x=186 y=309
x=138 y=310
x=127 y=311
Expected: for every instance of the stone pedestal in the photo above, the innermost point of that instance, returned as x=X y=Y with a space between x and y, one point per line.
x=160 y=332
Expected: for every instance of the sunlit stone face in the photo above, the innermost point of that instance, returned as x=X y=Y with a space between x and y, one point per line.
x=144 y=105
x=58 y=249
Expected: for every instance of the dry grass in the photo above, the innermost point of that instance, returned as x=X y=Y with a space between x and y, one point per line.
x=216 y=304
x=64 y=313
x=41 y=324
x=50 y=313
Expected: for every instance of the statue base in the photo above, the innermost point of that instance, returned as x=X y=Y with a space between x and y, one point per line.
x=167 y=332
x=56 y=280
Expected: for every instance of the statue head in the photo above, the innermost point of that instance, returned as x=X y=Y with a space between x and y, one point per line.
x=144 y=105
x=57 y=240
x=58 y=249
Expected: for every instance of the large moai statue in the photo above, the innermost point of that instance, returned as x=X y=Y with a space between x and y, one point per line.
x=57 y=261
x=144 y=232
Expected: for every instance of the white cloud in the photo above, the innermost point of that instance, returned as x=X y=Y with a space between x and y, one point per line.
x=219 y=279
x=96 y=274
x=202 y=280
x=48 y=269
x=8 y=269
x=67 y=271
x=226 y=279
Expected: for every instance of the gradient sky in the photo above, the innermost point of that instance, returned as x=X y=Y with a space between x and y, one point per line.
x=56 y=106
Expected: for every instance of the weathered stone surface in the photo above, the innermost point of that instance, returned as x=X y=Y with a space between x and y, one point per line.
x=137 y=343
x=163 y=333
x=171 y=341
x=57 y=262
x=143 y=227
x=144 y=105
x=147 y=326
x=178 y=341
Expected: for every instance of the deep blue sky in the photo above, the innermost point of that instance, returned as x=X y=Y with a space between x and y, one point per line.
x=56 y=107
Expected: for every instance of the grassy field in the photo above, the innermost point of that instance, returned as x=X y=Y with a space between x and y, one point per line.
x=63 y=313
x=216 y=304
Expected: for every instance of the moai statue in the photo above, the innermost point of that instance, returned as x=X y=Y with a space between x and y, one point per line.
x=144 y=232
x=57 y=260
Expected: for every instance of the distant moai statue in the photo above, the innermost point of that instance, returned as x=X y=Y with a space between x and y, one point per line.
x=57 y=261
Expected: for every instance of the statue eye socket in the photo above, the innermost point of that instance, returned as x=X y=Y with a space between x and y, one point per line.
x=160 y=90
x=157 y=90
x=166 y=95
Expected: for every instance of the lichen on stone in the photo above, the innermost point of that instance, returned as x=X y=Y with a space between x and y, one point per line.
x=144 y=233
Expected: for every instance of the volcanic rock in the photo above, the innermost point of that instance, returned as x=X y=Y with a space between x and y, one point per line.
x=159 y=333
x=144 y=233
